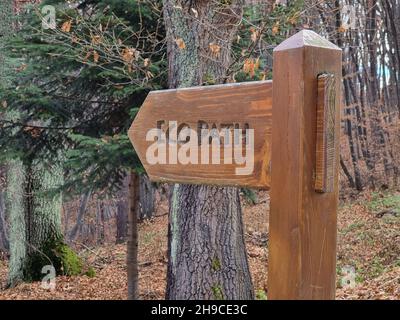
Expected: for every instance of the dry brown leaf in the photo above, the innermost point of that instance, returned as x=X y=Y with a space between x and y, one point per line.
x=66 y=26
x=257 y=64
x=249 y=67
x=293 y=19
x=130 y=54
x=96 y=56
x=88 y=54
x=180 y=43
x=275 y=28
x=33 y=131
x=215 y=49
x=96 y=39
x=255 y=34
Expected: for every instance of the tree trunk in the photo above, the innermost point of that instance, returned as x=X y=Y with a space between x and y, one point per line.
x=15 y=210
x=36 y=238
x=207 y=255
x=132 y=246
x=80 y=216
x=4 y=244
x=122 y=211
x=146 y=202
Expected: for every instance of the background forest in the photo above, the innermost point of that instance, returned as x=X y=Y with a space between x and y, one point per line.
x=74 y=195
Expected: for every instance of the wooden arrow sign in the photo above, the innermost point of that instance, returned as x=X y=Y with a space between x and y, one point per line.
x=218 y=135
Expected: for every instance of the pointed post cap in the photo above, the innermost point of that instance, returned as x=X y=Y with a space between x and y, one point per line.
x=306 y=38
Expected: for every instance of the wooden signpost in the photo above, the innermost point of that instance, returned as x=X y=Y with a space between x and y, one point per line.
x=281 y=136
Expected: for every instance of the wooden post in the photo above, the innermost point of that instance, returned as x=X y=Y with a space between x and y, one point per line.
x=302 y=253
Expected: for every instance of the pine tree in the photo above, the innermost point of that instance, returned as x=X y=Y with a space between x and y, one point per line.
x=76 y=102
x=34 y=212
x=83 y=96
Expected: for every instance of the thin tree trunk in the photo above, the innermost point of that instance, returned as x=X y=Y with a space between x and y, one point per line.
x=80 y=216
x=207 y=254
x=132 y=245
x=147 y=193
x=122 y=211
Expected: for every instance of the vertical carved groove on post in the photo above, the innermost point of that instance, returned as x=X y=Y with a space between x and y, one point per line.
x=325 y=143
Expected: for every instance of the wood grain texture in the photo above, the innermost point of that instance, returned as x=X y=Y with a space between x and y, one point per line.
x=302 y=229
x=241 y=104
x=325 y=146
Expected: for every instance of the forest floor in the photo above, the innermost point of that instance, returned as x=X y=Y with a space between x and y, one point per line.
x=368 y=243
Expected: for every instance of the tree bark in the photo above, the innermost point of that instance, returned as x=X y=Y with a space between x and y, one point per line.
x=146 y=202
x=207 y=255
x=122 y=211
x=36 y=238
x=17 y=232
x=80 y=216
x=132 y=245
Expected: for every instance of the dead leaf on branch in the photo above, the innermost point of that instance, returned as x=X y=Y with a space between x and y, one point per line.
x=255 y=34
x=96 y=39
x=129 y=55
x=88 y=54
x=96 y=56
x=250 y=66
x=33 y=131
x=66 y=26
x=275 y=28
x=180 y=43
x=293 y=19
x=215 y=49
